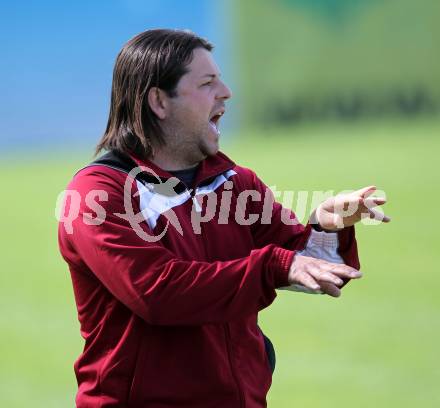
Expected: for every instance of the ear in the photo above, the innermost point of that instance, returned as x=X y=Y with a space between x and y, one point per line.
x=157 y=99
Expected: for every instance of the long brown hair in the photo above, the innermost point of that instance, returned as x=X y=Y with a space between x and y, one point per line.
x=154 y=58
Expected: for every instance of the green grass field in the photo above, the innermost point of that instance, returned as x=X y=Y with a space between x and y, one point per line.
x=376 y=346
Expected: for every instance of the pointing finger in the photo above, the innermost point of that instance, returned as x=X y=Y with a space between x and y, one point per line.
x=365 y=192
x=371 y=202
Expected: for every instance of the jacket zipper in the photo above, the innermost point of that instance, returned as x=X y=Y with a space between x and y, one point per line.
x=227 y=329
x=234 y=375
x=194 y=200
x=198 y=208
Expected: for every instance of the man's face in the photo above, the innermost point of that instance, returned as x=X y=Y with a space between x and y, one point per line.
x=192 y=119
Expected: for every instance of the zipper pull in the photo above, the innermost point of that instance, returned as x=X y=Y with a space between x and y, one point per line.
x=196 y=204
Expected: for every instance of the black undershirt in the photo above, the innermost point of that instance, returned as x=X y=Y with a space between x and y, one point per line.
x=186 y=176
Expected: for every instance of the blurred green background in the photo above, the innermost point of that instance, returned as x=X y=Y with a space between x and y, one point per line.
x=375 y=346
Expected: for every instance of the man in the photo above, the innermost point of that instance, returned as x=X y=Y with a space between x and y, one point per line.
x=173 y=249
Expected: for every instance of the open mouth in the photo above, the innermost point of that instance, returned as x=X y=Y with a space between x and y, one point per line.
x=214 y=121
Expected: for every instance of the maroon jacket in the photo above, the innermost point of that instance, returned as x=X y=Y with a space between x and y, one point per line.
x=173 y=323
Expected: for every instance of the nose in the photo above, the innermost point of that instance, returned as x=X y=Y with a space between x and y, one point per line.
x=225 y=92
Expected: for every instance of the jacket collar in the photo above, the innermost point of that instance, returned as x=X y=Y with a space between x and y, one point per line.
x=210 y=167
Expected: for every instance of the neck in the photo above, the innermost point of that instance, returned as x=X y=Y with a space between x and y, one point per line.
x=170 y=162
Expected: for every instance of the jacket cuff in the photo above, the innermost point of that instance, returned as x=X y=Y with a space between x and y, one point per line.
x=348 y=247
x=279 y=265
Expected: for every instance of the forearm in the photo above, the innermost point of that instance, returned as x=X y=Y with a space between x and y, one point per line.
x=163 y=289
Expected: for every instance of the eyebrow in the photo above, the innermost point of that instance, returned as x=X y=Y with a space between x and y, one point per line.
x=211 y=75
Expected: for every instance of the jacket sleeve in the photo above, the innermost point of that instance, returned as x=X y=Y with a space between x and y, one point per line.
x=286 y=231
x=152 y=281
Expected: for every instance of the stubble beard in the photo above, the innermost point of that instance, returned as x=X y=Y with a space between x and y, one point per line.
x=188 y=146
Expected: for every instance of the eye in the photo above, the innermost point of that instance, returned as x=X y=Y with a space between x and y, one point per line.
x=207 y=83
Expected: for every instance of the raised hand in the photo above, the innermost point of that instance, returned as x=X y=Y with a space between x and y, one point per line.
x=344 y=210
